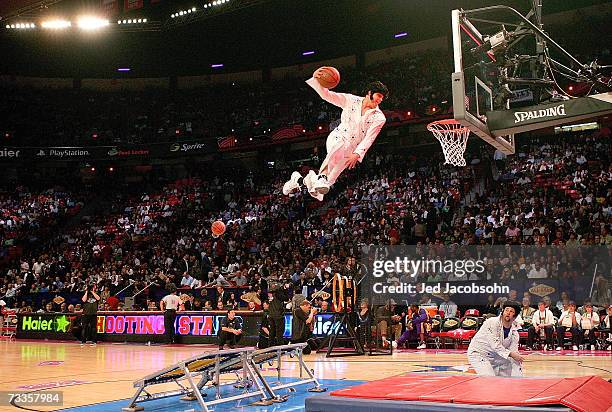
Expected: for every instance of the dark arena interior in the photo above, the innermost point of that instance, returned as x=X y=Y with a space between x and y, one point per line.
x=275 y=205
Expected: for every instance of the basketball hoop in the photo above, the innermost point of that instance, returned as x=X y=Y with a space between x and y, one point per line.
x=453 y=137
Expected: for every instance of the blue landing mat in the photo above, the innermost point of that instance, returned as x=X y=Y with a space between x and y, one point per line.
x=295 y=403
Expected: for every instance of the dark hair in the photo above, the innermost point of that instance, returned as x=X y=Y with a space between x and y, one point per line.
x=377 y=87
x=513 y=305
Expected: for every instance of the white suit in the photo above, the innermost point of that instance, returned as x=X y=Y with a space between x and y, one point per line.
x=489 y=352
x=354 y=134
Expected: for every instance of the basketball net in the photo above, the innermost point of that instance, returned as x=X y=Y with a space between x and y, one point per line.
x=453 y=138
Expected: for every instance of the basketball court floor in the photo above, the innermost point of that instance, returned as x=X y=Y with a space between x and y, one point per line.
x=100 y=378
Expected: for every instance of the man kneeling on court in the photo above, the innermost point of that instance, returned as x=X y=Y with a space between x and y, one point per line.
x=230 y=330
x=494 y=349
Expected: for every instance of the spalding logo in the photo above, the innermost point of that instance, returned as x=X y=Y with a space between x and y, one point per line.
x=536 y=114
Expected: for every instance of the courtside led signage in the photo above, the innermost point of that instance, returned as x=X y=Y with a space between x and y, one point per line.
x=40 y=324
x=194 y=325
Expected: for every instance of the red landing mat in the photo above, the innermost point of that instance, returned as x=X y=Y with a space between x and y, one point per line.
x=588 y=393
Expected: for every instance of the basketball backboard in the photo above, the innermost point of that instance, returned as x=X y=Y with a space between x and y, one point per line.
x=474 y=81
x=501 y=66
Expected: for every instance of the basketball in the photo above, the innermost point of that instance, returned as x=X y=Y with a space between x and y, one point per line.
x=330 y=77
x=217 y=228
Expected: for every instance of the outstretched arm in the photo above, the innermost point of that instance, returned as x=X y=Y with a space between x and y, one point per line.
x=337 y=99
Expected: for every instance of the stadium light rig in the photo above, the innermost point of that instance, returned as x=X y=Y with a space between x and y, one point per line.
x=184 y=12
x=90 y=23
x=132 y=21
x=215 y=3
x=21 y=26
x=55 y=24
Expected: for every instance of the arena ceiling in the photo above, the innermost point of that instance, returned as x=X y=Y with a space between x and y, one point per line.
x=266 y=34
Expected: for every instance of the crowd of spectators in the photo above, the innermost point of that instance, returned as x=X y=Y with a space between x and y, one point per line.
x=552 y=192
x=27 y=215
x=86 y=118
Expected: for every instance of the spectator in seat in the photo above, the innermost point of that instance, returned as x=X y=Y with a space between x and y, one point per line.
x=187 y=280
x=490 y=308
x=589 y=322
x=417 y=327
x=240 y=279
x=524 y=319
x=448 y=307
x=222 y=295
x=386 y=319
x=537 y=272
x=606 y=327
x=569 y=320
x=542 y=324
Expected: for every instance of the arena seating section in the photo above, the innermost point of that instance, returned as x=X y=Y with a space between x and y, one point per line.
x=555 y=189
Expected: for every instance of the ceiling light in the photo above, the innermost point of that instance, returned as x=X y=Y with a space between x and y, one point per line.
x=91 y=23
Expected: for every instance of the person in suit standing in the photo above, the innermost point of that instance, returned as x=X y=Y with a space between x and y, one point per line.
x=264 y=327
x=90 y=301
x=277 y=297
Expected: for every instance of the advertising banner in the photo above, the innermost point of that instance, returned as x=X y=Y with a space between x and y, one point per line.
x=132 y=4
x=154 y=150
x=46 y=325
x=190 y=327
x=109 y=7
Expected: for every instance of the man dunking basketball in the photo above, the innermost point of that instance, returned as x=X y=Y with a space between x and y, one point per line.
x=347 y=144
